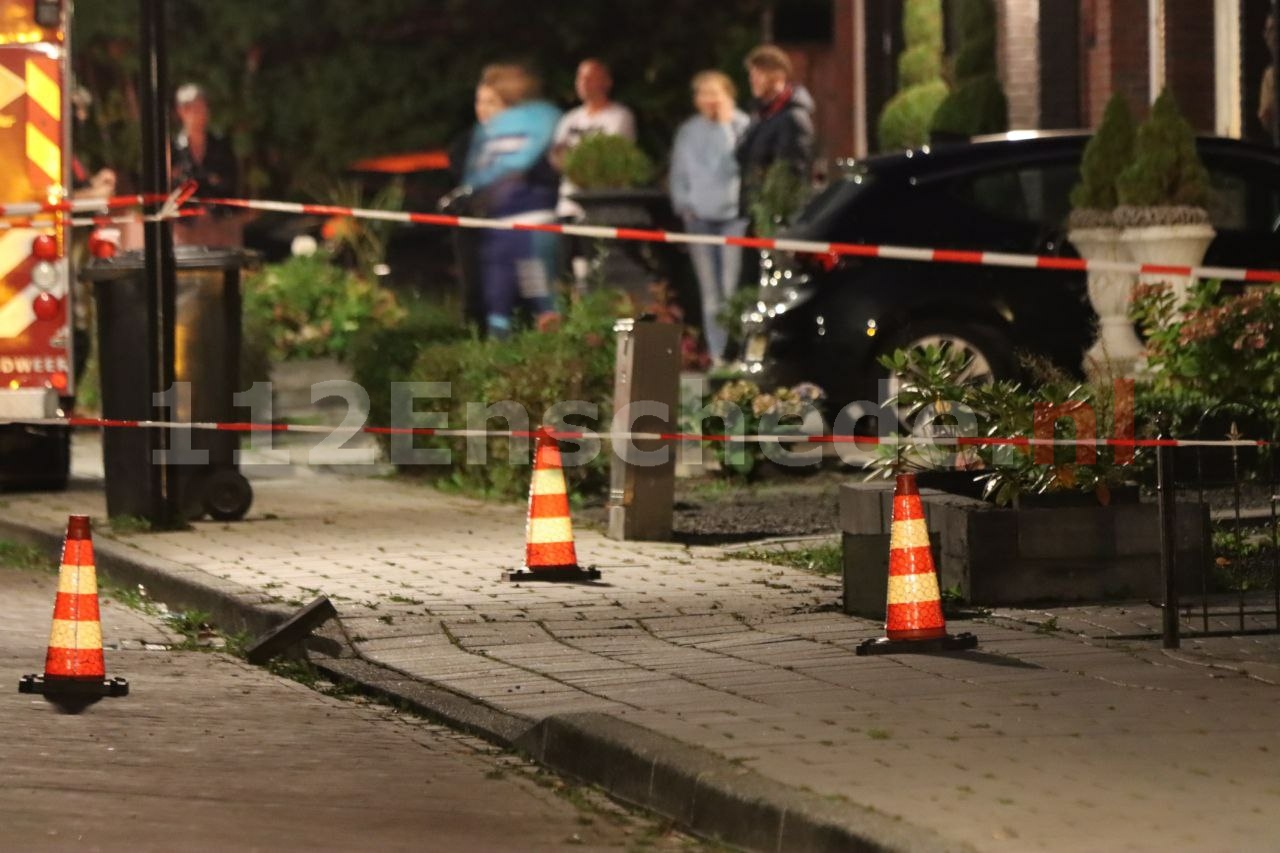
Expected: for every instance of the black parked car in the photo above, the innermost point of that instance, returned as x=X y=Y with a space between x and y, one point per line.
x=828 y=324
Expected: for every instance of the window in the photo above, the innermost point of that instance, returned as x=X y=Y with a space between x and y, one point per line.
x=1037 y=195
x=1242 y=202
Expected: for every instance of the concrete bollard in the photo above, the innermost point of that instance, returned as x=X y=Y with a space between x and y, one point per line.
x=642 y=474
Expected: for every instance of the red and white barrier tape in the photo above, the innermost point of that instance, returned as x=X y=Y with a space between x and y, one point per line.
x=81 y=205
x=571 y=435
x=26 y=214
x=902 y=253
x=95 y=221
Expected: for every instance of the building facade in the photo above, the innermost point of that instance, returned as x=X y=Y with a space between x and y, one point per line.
x=1059 y=60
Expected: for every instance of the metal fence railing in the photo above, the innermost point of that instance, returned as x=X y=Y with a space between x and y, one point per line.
x=1238 y=569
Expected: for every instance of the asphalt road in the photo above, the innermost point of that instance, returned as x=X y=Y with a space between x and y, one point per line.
x=208 y=753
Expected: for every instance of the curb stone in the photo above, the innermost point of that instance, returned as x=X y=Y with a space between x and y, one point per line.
x=708 y=794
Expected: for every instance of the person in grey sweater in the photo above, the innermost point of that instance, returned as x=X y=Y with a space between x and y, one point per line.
x=704 y=191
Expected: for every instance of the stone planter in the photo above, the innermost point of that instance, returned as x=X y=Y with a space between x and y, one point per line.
x=1117 y=349
x=291 y=389
x=995 y=556
x=632 y=266
x=1168 y=245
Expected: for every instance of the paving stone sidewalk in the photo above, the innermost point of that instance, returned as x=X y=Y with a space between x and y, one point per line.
x=1039 y=741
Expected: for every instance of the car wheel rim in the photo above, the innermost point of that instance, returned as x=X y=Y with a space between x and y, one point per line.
x=978 y=372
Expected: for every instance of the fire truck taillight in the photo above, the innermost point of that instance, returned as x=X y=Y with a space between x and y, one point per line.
x=45 y=248
x=44 y=275
x=46 y=307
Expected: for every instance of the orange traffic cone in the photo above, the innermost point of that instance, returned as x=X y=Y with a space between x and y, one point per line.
x=913 y=621
x=549 y=554
x=74 y=669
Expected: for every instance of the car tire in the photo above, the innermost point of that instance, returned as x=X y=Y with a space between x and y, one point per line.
x=993 y=357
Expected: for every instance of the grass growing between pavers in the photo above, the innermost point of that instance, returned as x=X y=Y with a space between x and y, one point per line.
x=825 y=559
x=193 y=626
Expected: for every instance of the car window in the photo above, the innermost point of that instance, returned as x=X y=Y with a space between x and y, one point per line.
x=1036 y=194
x=1240 y=202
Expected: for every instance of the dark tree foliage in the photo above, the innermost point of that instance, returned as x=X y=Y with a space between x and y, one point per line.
x=305 y=87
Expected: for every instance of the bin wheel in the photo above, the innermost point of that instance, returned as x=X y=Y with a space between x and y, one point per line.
x=227 y=495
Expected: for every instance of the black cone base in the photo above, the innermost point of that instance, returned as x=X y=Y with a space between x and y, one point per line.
x=949 y=643
x=561 y=574
x=73 y=688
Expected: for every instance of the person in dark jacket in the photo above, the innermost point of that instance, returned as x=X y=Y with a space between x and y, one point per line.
x=781 y=127
x=203 y=156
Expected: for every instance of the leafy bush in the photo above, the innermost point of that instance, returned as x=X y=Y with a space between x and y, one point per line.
x=1218 y=350
x=604 y=161
x=385 y=353
x=746 y=410
x=976 y=106
x=308 y=307
x=782 y=194
x=534 y=370
x=1107 y=154
x=1166 y=170
x=919 y=66
x=936 y=396
x=905 y=119
x=977 y=103
x=361 y=241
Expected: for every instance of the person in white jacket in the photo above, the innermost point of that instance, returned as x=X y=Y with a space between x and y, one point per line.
x=704 y=191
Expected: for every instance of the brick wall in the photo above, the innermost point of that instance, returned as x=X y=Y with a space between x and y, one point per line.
x=1018 y=57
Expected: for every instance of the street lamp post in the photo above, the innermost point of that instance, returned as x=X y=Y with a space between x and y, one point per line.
x=158 y=252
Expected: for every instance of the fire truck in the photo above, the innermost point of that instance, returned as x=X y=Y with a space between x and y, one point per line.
x=37 y=347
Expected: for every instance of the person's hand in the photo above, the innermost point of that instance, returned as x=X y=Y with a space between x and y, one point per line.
x=103 y=183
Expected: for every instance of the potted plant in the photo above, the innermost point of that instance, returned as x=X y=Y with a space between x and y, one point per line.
x=1093 y=231
x=613 y=179
x=1058 y=523
x=1163 y=195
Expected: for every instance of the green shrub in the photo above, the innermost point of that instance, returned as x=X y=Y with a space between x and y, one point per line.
x=782 y=194
x=603 y=161
x=1217 y=350
x=922 y=23
x=1108 y=153
x=382 y=354
x=976 y=56
x=933 y=382
x=1166 y=170
x=904 y=121
x=919 y=66
x=976 y=106
x=535 y=370
x=977 y=103
x=308 y=307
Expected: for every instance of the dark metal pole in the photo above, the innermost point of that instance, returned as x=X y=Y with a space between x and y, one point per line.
x=160 y=271
x=1275 y=83
x=1168 y=542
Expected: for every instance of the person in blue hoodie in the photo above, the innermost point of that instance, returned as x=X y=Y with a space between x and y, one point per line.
x=704 y=192
x=510 y=178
